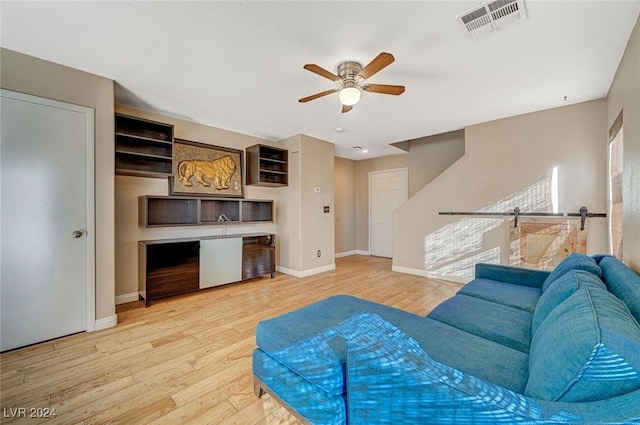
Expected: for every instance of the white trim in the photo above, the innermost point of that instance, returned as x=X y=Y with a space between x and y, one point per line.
x=424 y=273
x=406 y=198
x=305 y=273
x=352 y=252
x=91 y=219
x=106 y=322
x=127 y=298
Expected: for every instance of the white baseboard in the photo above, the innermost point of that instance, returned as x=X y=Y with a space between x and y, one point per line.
x=352 y=252
x=305 y=273
x=106 y=322
x=424 y=273
x=126 y=298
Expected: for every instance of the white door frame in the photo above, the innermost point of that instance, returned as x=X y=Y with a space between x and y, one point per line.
x=406 y=176
x=89 y=114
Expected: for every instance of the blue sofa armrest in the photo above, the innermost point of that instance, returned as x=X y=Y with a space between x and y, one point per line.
x=511 y=274
x=391 y=380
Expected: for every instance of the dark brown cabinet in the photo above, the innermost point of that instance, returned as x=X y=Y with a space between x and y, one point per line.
x=143 y=147
x=169 y=269
x=163 y=211
x=177 y=266
x=267 y=166
x=258 y=256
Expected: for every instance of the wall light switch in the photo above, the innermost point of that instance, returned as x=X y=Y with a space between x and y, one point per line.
x=317 y=189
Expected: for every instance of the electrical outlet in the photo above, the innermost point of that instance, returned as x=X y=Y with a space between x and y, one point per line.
x=319 y=253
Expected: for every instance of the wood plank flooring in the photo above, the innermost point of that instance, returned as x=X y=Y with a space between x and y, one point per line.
x=187 y=359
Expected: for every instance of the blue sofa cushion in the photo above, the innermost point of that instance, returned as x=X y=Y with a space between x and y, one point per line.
x=574 y=261
x=472 y=354
x=623 y=282
x=559 y=290
x=509 y=294
x=496 y=322
x=586 y=349
x=512 y=274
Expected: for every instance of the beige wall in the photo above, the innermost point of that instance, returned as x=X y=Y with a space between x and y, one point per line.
x=431 y=155
x=427 y=158
x=345 y=205
x=317 y=226
x=507 y=163
x=304 y=228
x=624 y=94
x=128 y=189
x=38 y=77
x=289 y=210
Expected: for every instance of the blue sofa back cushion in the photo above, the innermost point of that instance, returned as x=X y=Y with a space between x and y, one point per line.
x=586 y=349
x=623 y=282
x=559 y=290
x=574 y=261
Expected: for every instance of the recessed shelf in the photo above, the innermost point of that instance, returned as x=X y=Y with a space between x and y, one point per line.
x=143 y=147
x=166 y=211
x=267 y=166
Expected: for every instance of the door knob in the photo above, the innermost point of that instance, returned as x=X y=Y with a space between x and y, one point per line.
x=77 y=234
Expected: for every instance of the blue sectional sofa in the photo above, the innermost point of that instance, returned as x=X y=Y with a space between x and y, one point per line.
x=512 y=346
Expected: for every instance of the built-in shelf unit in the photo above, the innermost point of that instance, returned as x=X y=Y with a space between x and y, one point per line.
x=267 y=166
x=143 y=147
x=164 y=211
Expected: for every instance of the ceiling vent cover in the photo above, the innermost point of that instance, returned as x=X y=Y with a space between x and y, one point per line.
x=491 y=16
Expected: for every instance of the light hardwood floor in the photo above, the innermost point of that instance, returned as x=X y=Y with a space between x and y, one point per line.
x=187 y=359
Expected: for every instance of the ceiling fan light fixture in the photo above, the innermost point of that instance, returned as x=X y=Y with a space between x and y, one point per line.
x=349 y=96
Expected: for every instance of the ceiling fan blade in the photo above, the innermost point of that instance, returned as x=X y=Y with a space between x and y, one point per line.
x=322 y=72
x=380 y=62
x=346 y=108
x=384 y=89
x=317 y=95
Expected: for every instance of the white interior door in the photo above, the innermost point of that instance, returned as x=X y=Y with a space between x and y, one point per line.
x=387 y=191
x=46 y=216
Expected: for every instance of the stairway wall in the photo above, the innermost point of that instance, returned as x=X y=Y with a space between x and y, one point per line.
x=507 y=163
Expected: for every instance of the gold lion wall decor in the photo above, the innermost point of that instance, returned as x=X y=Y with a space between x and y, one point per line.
x=202 y=169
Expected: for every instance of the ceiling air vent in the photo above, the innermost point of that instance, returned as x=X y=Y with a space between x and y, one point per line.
x=491 y=16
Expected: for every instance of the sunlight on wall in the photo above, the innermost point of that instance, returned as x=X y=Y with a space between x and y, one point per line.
x=455 y=248
x=466 y=266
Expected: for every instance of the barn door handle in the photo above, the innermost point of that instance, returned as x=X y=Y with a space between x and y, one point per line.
x=77 y=234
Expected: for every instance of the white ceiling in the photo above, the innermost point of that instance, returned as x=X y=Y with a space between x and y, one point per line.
x=238 y=65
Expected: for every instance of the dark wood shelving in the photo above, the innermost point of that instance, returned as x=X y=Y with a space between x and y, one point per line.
x=143 y=147
x=257 y=211
x=219 y=211
x=165 y=211
x=267 y=166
